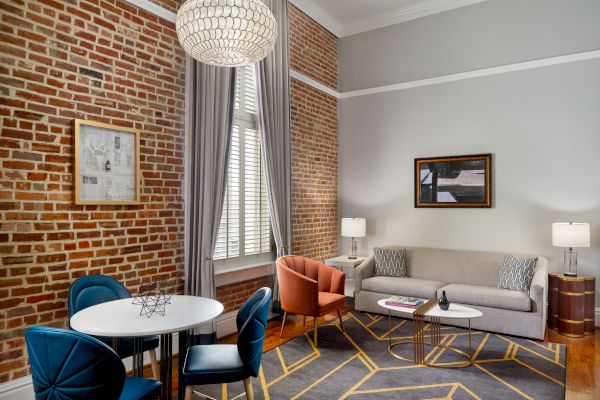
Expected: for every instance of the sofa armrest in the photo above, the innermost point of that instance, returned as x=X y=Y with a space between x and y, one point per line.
x=363 y=271
x=538 y=292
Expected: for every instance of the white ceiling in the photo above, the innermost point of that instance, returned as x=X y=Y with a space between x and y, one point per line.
x=347 y=17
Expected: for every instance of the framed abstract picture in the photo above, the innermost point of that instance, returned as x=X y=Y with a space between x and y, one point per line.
x=107 y=163
x=454 y=181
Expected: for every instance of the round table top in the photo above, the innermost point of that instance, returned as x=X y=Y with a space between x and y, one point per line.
x=455 y=311
x=121 y=318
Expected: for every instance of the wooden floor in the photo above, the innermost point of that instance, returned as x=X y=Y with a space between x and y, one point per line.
x=583 y=355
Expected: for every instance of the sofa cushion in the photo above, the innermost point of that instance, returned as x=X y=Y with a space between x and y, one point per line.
x=412 y=287
x=487 y=296
x=516 y=273
x=390 y=262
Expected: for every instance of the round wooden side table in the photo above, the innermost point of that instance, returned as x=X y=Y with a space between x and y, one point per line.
x=571 y=302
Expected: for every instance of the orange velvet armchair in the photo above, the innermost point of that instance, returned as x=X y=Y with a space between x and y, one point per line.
x=309 y=287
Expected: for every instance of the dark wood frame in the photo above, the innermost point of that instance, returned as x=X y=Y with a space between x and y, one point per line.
x=487 y=203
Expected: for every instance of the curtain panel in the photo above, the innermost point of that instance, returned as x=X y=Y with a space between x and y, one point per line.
x=274 y=104
x=211 y=108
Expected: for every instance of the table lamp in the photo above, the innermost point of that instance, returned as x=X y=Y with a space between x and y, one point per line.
x=353 y=228
x=570 y=234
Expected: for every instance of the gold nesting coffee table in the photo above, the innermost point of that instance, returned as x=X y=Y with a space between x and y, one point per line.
x=431 y=311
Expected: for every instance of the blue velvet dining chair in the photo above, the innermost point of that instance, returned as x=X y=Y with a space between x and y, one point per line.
x=90 y=290
x=222 y=363
x=70 y=365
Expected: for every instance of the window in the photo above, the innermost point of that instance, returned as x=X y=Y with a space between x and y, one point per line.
x=245 y=229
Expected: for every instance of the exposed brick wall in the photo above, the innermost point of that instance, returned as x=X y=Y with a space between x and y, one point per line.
x=313 y=49
x=313 y=52
x=101 y=60
x=233 y=295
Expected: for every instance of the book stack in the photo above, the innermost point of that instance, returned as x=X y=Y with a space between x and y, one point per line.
x=403 y=301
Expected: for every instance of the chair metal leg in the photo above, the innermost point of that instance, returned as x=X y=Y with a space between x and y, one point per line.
x=282 y=323
x=340 y=317
x=189 y=390
x=248 y=387
x=154 y=364
x=315 y=331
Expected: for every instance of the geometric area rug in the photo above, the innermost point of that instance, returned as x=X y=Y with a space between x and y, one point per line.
x=356 y=364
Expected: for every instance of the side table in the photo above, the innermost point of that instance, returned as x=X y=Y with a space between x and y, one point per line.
x=342 y=262
x=571 y=302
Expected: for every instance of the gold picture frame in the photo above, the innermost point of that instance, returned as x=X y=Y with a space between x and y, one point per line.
x=454 y=181
x=107 y=163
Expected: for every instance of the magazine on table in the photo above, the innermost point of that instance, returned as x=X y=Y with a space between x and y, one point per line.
x=405 y=301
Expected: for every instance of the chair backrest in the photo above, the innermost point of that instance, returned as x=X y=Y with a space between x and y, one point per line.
x=251 y=324
x=94 y=289
x=69 y=365
x=312 y=269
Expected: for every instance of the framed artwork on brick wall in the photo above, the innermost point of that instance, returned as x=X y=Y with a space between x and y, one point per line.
x=454 y=181
x=107 y=163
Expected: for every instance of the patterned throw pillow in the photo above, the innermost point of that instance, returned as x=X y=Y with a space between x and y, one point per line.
x=516 y=273
x=390 y=262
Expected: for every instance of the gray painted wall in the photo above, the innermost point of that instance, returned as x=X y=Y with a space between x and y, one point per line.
x=542 y=125
x=487 y=34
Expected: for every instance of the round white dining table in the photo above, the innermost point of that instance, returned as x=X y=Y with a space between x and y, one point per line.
x=122 y=318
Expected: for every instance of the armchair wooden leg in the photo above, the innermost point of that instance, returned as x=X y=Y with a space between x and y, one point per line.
x=248 y=387
x=304 y=320
x=189 y=390
x=154 y=364
x=341 y=323
x=315 y=331
x=282 y=323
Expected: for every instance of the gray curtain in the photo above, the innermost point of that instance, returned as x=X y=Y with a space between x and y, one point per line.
x=211 y=110
x=274 y=103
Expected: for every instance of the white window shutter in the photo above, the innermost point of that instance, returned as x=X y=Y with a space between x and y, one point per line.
x=245 y=228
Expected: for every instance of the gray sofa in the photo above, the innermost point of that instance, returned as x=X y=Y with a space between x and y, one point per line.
x=469 y=278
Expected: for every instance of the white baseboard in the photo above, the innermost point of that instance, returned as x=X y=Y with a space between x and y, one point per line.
x=22 y=388
x=17 y=389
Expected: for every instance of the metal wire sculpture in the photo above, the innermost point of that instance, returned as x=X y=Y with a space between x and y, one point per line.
x=153 y=298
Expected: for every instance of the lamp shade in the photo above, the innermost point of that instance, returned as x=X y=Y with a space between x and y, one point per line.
x=227 y=33
x=354 y=227
x=570 y=234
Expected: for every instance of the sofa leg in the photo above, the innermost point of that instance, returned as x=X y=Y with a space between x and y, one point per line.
x=189 y=390
x=248 y=387
x=340 y=317
x=315 y=331
x=282 y=323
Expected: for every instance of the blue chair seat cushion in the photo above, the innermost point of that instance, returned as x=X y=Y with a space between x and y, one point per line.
x=125 y=348
x=140 y=389
x=217 y=363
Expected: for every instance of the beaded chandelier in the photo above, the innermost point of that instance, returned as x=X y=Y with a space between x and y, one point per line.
x=226 y=33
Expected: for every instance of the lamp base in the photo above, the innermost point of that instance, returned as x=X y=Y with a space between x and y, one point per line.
x=352 y=250
x=570 y=262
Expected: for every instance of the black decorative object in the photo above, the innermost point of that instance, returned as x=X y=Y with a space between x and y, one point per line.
x=153 y=298
x=443 y=301
x=454 y=181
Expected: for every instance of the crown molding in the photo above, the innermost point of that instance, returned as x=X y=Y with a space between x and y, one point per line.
x=477 y=73
x=501 y=69
x=392 y=17
x=154 y=8
x=317 y=85
x=319 y=14
x=402 y=14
